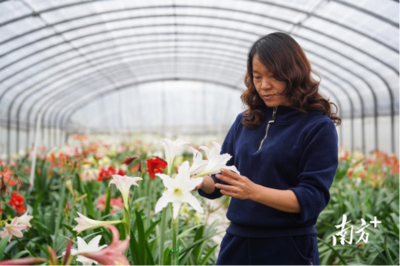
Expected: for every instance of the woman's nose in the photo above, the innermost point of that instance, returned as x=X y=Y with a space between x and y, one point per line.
x=266 y=84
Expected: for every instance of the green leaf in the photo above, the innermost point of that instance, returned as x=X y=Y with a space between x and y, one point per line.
x=134 y=247
x=334 y=251
x=151 y=229
x=143 y=244
x=3 y=244
x=69 y=228
x=198 y=250
x=20 y=254
x=108 y=200
x=189 y=230
x=40 y=247
x=183 y=260
x=208 y=255
x=38 y=200
x=89 y=201
x=33 y=254
x=198 y=242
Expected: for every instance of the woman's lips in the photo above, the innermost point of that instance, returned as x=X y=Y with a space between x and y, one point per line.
x=268 y=97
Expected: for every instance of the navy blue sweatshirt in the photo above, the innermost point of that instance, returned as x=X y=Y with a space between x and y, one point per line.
x=300 y=153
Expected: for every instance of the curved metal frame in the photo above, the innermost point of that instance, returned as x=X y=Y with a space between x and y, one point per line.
x=317 y=55
x=362 y=108
x=52 y=101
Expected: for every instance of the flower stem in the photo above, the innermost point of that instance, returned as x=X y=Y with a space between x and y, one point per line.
x=60 y=212
x=127 y=221
x=148 y=220
x=174 y=259
x=162 y=237
x=108 y=200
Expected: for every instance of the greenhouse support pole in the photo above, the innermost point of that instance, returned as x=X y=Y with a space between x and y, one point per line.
x=34 y=151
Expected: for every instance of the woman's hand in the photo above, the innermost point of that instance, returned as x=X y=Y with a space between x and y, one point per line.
x=240 y=186
x=207 y=185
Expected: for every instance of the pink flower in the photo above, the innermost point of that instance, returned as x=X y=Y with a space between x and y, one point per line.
x=24 y=261
x=13 y=229
x=113 y=254
x=114 y=202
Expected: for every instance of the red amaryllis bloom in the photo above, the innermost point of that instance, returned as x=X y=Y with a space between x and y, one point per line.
x=154 y=166
x=6 y=175
x=113 y=254
x=107 y=172
x=120 y=172
x=17 y=202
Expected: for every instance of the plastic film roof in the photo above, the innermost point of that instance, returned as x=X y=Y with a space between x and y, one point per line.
x=81 y=63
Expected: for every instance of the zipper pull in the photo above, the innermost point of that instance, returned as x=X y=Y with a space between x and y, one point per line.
x=272 y=120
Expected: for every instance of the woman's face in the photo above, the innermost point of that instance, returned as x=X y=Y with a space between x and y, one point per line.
x=268 y=87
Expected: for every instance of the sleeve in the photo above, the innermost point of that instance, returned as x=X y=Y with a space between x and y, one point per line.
x=227 y=147
x=317 y=169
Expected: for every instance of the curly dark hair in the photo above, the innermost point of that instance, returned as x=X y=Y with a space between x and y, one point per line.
x=284 y=58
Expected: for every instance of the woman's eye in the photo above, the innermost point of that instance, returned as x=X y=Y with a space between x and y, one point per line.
x=256 y=77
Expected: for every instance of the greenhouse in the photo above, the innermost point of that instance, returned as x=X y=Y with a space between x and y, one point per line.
x=178 y=132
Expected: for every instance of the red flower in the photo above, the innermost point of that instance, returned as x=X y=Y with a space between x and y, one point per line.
x=120 y=172
x=154 y=166
x=6 y=175
x=17 y=202
x=107 y=172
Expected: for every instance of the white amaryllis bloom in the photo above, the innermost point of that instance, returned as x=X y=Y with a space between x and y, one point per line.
x=198 y=163
x=178 y=191
x=24 y=219
x=171 y=148
x=124 y=183
x=216 y=161
x=92 y=246
x=85 y=223
x=88 y=174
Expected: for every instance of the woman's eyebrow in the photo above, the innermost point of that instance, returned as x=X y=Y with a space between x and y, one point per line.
x=255 y=71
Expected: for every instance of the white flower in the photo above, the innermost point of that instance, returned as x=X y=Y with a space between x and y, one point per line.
x=85 y=223
x=124 y=183
x=178 y=191
x=171 y=148
x=92 y=246
x=105 y=161
x=198 y=163
x=24 y=219
x=88 y=174
x=216 y=161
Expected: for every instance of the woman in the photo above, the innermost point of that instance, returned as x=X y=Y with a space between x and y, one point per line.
x=285 y=147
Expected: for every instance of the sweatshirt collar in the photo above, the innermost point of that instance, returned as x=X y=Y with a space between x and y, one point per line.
x=284 y=113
